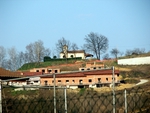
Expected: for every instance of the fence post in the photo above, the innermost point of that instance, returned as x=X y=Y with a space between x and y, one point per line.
x=0 y=96
x=113 y=76
x=125 y=97
x=54 y=93
x=65 y=100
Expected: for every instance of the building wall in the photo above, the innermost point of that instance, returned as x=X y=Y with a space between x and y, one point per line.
x=134 y=61
x=90 y=79
x=45 y=70
x=74 y=55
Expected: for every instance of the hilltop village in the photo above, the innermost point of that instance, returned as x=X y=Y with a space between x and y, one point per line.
x=93 y=74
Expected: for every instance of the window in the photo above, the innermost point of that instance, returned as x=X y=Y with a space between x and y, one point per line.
x=99 y=79
x=36 y=81
x=71 y=56
x=90 y=80
x=106 y=79
x=59 y=81
x=43 y=70
x=80 y=81
x=88 y=68
x=45 y=82
x=67 y=81
x=94 y=67
x=82 y=69
x=52 y=81
x=49 y=71
x=73 y=81
x=37 y=70
x=56 y=71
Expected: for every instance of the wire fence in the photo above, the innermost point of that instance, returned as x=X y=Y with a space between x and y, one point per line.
x=43 y=100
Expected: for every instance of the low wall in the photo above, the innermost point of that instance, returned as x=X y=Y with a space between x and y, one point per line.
x=134 y=61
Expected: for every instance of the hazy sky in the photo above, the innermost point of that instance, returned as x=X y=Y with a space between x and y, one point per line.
x=126 y=23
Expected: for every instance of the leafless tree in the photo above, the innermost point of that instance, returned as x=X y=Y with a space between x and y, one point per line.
x=115 y=52
x=13 y=59
x=39 y=50
x=21 y=58
x=98 y=44
x=106 y=56
x=2 y=56
x=138 y=51
x=74 y=47
x=47 y=52
x=128 y=52
x=36 y=51
x=60 y=44
x=135 y=51
x=30 y=53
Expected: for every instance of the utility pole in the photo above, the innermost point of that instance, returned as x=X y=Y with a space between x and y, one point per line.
x=65 y=100
x=125 y=97
x=113 y=90
x=54 y=77
x=0 y=96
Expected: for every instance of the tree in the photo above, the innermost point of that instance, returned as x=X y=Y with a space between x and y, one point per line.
x=39 y=50
x=106 y=57
x=47 y=52
x=115 y=52
x=128 y=52
x=21 y=59
x=36 y=51
x=98 y=44
x=74 y=47
x=61 y=43
x=30 y=53
x=2 y=56
x=13 y=59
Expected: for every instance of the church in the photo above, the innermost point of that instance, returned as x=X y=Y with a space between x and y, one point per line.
x=74 y=53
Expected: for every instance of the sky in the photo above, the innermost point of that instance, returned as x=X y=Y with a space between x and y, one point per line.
x=126 y=23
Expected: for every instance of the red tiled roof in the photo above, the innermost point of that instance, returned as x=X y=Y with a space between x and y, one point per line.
x=83 y=73
x=31 y=73
x=7 y=73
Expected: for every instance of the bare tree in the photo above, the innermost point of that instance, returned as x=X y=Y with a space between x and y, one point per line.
x=2 y=56
x=106 y=56
x=137 y=51
x=21 y=58
x=39 y=50
x=74 y=47
x=61 y=43
x=128 y=52
x=13 y=59
x=98 y=44
x=47 y=52
x=115 y=52
x=30 y=53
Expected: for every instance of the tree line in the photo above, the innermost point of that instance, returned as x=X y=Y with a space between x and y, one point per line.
x=95 y=43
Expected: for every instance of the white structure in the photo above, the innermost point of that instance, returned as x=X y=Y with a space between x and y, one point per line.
x=134 y=61
x=34 y=81
x=73 y=54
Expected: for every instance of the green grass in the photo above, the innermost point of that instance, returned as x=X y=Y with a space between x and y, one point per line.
x=28 y=66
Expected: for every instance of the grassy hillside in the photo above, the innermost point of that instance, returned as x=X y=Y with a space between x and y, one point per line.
x=135 y=55
x=131 y=74
x=59 y=64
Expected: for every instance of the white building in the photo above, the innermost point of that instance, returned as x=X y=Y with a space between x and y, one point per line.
x=73 y=54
